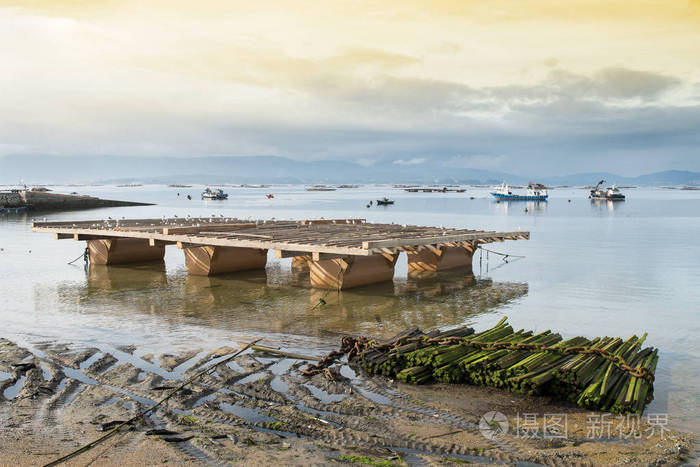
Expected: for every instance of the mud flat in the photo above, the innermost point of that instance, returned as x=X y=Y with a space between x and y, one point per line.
x=258 y=410
x=42 y=201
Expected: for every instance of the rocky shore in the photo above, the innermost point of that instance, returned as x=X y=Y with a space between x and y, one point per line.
x=258 y=409
x=43 y=201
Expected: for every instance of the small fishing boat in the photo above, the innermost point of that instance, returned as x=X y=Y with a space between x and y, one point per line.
x=384 y=201
x=215 y=194
x=269 y=196
x=610 y=193
x=535 y=192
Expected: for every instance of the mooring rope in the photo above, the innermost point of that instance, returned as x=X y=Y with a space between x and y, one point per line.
x=322 y=300
x=85 y=255
x=505 y=256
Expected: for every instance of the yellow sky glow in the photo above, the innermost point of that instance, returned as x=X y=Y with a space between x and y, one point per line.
x=339 y=63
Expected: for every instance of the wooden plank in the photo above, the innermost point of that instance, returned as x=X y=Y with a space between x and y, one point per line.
x=290 y=254
x=184 y=245
x=81 y=237
x=436 y=250
x=290 y=238
x=390 y=258
x=207 y=227
x=154 y=242
x=369 y=245
x=231 y=235
x=145 y=223
x=316 y=256
x=332 y=221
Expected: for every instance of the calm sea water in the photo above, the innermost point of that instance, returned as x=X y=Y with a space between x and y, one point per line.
x=590 y=268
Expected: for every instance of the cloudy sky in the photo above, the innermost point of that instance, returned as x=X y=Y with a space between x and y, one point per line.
x=534 y=86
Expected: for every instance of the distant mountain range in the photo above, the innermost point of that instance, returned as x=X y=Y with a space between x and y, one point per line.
x=274 y=169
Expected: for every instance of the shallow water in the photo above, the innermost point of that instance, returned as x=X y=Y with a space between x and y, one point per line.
x=590 y=268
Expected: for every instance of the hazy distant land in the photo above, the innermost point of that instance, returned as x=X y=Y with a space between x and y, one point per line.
x=275 y=169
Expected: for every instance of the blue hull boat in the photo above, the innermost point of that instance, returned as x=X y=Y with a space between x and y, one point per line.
x=520 y=197
x=535 y=192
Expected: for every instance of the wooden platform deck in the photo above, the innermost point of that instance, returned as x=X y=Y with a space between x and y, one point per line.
x=353 y=237
x=217 y=244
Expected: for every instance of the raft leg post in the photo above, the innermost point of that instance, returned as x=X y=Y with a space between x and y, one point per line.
x=353 y=271
x=301 y=263
x=121 y=250
x=433 y=259
x=210 y=260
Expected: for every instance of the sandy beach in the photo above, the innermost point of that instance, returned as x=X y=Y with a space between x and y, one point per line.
x=258 y=409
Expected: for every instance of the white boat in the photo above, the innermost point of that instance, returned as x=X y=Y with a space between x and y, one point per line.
x=611 y=193
x=215 y=194
x=535 y=192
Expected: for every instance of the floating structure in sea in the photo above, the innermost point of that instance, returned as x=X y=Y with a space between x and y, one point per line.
x=339 y=253
x=434 y=190
x=320 y=188
x=215 y=194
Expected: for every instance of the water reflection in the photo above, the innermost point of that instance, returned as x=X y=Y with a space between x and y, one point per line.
x=504 y=207
x=279 y=300
x=102 y=279
x=603 y=205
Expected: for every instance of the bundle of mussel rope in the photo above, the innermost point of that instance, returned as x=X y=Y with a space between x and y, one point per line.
x=605 y=373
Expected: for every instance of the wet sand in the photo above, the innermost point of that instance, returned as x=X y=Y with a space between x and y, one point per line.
x=258 y=410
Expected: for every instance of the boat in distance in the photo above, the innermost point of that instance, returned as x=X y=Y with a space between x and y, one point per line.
x=215 y=194
x=611 y=193
x=384 y=201
x=535 y=192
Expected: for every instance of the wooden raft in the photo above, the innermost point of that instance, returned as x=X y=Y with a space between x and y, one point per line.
x=340 y=253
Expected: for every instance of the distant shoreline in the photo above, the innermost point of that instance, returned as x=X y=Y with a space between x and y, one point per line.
x=47 y=202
